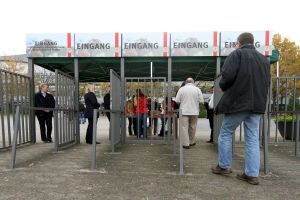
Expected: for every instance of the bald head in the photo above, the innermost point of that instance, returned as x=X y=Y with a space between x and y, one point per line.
x=189 y=80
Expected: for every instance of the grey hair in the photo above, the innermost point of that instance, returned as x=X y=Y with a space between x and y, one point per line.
x=190 y=80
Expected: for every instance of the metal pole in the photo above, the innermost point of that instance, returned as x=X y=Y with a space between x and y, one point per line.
x=2 y=109
x=277 y=69
x=218 y=68
x=8 y=109
x=151 y=70
x=297 y=134
x=14 y=144
x=266 y=130
x=26 y=84
x=56 y=121
x=18 y=101
x=266 y=144
x=169 y=97
x=23 y=107
x=294 y=107
x=174 y=134
x=180 y=144
x=112 y=114
x=31 y=100
x=76 y=102
x=94 y=139
x=123 y=99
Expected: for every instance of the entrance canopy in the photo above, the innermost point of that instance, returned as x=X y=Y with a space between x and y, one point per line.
x=192 y=54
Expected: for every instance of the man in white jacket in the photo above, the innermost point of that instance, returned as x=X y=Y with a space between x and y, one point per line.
x=189 y=98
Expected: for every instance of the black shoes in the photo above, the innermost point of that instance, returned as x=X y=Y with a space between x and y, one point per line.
x=92 y=142
x=47 y=141
x=210 y=141
x=186 y=147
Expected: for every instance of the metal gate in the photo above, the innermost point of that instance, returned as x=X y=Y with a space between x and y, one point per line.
x=115 y=122
x=65 y=112
x=154 y=89
x=14 y=90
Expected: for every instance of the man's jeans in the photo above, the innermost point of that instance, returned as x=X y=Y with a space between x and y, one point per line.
x=251 y=127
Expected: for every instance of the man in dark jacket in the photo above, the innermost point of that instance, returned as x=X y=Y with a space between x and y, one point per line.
x=106 y=101
x=44 y=100
x=91 y=103
x=245 y=81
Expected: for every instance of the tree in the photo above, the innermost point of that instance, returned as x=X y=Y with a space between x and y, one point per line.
x=289 y=62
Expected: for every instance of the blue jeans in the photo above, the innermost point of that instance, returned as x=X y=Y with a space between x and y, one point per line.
x=81 y=118
x=142 y=125
x=251 y=127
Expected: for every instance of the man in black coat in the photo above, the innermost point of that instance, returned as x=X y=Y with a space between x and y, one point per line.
x=245 y=81
x=44 y=100
x=91 y=103
x=106 y=101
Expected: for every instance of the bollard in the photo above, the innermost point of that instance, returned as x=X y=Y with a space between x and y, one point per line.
x=180 y=144
x=266 y=144
x=94 y=139
x=14 y=144
x=297 y=134
x=174 y=134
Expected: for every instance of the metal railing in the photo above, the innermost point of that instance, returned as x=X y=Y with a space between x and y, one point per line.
x=57 y=134
x=14 y=89
x=113 y=134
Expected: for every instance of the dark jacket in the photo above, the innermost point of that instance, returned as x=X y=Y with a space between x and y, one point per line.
x=44 y=102
x=245 y=81
x=81 y=107
x=106 y=101
x=90 y=104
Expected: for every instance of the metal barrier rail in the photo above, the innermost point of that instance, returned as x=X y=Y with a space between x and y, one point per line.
x=93 y=148
x=17 y=127
x=14 y=88
x=112 y=135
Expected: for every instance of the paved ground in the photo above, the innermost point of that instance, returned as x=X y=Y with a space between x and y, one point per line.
x=141 y=172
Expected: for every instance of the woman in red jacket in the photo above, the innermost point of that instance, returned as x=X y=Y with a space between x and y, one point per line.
x=140 y=102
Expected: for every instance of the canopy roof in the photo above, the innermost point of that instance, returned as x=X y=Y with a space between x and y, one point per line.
x=97 y=69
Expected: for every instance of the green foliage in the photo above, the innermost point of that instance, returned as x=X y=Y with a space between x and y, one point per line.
x=202 y=113
x=287 y=118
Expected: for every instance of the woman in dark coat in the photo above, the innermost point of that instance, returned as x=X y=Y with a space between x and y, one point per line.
x=91 y=103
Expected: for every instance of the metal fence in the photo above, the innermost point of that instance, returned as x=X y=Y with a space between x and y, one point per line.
x=65 y=115
x=17 y=126
x=280 y=123
x=14 y=89
x=176 y=138
x=115 y=114
x=154 y=89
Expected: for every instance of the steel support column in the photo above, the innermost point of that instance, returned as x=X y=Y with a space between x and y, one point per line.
x=169 y=97
x=76 y=102
x=31 y=100
x=123 y=100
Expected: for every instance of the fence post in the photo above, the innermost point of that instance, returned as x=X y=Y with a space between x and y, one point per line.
x=56 y=131
x=94 y=139
x=297 y=134
x=14 y=144
x=174 y=133
x=266 y=144
x=180 y=144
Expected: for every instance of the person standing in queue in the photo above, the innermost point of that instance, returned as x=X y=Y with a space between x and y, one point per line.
x=91 y=103
x=189 y=97
x=44 y=100
x=245 y=80
x=141 y=107
x=106 y=101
